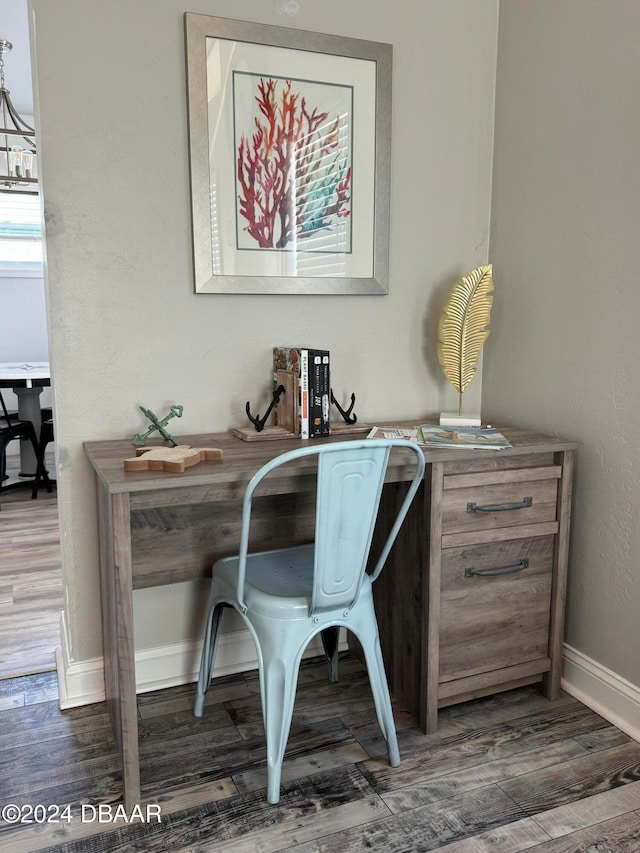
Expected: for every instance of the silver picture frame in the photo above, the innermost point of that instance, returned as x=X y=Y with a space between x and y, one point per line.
x=260 y=224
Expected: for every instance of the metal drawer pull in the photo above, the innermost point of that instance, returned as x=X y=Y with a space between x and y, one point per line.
x=525 y=502
x=492 y=573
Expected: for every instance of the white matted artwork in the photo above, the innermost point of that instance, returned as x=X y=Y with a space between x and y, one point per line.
x=290 y=143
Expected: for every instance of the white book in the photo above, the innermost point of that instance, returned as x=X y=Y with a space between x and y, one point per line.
x=304 y=393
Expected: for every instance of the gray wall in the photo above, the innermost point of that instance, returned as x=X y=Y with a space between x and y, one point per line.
x=565 y=351
x=126 y=327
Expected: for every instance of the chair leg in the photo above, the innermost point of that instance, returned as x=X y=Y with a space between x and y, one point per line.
x=208 y=657
x=330 y=638
x=4 y=442
x=41 y=471
x=3 y=461
x=279 y=677
x=380 y=690
x=41 y=474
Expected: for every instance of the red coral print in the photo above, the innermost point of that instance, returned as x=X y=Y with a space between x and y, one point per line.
x=293 y=178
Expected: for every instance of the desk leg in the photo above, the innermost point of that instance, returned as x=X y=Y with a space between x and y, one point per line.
x=430 y=674
x=118 y=635
x=551 y=681
x=29 y=410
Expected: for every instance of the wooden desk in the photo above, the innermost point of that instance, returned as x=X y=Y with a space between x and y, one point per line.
x=157 y=528
x=472 y=600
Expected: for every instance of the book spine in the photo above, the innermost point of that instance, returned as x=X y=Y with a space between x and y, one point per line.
x=315 y=393
x=326 y=393
x=304 y=393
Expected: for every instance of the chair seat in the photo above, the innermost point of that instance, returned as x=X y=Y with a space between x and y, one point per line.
x=278 y=583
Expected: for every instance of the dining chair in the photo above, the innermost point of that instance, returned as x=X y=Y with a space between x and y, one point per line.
x=12 y=428
x=6 y=415
x=288 y=596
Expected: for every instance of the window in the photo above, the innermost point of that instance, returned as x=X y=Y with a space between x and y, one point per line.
x=20 y=235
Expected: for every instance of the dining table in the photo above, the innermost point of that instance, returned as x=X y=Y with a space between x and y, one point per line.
x=27 y=379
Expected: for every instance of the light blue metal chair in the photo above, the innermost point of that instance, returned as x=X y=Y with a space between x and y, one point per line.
x=288 y=596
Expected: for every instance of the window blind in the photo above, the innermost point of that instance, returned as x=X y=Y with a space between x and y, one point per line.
x=20 y=233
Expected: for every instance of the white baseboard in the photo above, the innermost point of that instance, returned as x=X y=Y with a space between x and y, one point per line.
x=82 y=683
x=606 y=693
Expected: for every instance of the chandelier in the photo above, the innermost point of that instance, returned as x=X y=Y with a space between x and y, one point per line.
x=17 y=142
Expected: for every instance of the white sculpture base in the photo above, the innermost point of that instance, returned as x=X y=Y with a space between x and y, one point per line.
x=454 y=419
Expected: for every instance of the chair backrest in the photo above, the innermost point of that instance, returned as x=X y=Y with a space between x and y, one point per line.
x=5 y=413
x=350 y=477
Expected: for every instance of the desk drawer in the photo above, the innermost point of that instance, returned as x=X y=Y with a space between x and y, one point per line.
x=488 y=622
x=499 y=499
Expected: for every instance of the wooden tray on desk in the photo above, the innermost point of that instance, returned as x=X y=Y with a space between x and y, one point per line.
x=346 y=429
x=272 y=433
x=277 y=432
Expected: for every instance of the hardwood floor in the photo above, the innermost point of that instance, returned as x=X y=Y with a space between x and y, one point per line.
x=505 y=773
x=30 y=579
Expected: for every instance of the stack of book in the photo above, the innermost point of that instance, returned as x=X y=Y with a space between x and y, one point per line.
x=307 y=370
x=434 y=435
x=473 y=438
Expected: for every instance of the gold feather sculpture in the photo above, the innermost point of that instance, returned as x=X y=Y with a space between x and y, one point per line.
x=462 y=327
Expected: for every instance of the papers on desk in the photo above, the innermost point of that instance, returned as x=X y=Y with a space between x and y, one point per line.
x=409 y=433
x=434 y=435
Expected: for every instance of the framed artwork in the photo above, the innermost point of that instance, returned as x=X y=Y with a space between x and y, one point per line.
x=290 y=144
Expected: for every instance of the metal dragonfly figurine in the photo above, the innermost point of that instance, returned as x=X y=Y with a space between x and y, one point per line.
x=159 y=424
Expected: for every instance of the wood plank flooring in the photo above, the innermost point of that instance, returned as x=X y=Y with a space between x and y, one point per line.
x=31 y=590
x=506 y=773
